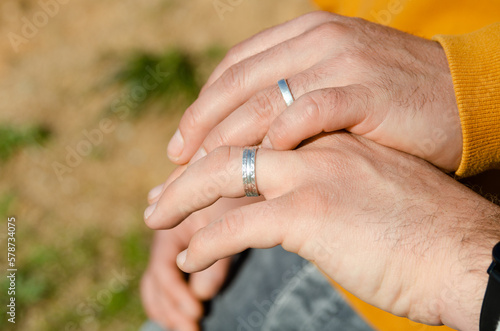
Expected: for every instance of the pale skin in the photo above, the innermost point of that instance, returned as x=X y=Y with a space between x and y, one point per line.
x=168 y=297
x=425 y=240
x=345 y=73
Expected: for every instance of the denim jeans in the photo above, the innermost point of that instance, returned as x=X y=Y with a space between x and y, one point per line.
x=277 y=290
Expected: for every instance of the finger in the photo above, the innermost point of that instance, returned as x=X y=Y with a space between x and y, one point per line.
x=219 y=175
x=207 y=283
x=259 y=225
x=236 y=86
x=157 y=191
x=179 y=320
x=165 y=310
x=173 y=287
x=152 y=303
x=270 y=38
x=256 y=115
x=319 y=111
x=168 y=279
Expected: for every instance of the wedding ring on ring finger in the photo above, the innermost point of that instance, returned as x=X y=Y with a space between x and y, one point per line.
x=248 y=171
x=285 y=91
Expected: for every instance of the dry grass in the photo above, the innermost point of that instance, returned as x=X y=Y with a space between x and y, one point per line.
x=74 y=234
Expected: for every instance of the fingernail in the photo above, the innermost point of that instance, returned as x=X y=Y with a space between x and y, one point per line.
x=149 y=210
x=201 y=153
x=175 y=146
x=266 y=143
x=181 y=258
x=155 y=192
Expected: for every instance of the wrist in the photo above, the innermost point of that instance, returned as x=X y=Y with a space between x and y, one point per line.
x=463 y=291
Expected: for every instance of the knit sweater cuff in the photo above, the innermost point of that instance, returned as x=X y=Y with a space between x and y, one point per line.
x=474 y=61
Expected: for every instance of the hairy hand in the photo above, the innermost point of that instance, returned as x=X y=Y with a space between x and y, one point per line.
x=387 y=226
x=345 y=73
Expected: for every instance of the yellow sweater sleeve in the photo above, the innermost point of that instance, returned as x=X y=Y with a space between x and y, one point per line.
x=474 y=60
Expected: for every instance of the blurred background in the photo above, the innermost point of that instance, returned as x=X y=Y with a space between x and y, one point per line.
x=83 y=139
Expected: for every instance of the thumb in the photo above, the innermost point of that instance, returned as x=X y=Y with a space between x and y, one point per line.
x=207 y=283
x=325 y=110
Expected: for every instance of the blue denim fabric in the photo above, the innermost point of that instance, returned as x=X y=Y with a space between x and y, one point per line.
x=277 y=290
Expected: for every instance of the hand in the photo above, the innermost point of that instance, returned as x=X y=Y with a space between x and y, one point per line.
x=387 y=226
x=167 y=296
x=345 y=73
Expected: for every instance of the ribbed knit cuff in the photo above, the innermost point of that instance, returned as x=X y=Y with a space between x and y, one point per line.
x=474 y=61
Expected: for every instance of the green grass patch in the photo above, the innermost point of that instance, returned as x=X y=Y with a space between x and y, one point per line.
x=112 y=298
x=5 y=204
x=167 y=81
x=13 y=138
x=168 y=77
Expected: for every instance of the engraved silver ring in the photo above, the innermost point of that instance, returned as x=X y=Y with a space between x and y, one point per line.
x=248 y=171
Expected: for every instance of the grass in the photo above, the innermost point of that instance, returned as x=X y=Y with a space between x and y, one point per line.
x=5 y=203
x=182 y=74
x=177 y=79
x=73 y=235
x=109 y=300
x=59 y=281
x=48 y=270
x=13 y=138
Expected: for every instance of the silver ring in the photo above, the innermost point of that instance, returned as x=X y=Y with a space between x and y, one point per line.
x=248 y=172
x=285 y=91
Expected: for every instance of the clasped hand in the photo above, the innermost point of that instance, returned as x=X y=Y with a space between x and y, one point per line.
x=345 y=73
x=386 y=225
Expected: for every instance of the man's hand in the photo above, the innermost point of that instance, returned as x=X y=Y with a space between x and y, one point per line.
x=168 y=297
x=390 y=228
x=345 y=73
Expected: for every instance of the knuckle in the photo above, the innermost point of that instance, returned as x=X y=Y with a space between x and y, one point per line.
x=336 y=96
x=223 y=162
x=318 y=15
x=278 y=132
x=334 y=102
x=234 y=54
x=232 y=222
x=233 y=78
x=261 y=107
x=311 y=109
x=224 y=159
x=197 y=245
x=228 y=225
x=218 y=157
x=191 y=119
x=216 y=139
x=331 y=30
x=365 y=98
x=321 y=73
